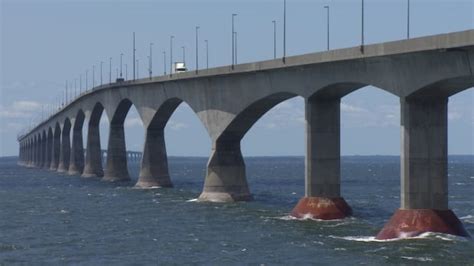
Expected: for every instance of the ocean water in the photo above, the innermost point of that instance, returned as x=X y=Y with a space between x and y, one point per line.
x=50 y=218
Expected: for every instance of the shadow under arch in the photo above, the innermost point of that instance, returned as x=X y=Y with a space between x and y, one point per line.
x=444 y=88
x=93 y=158
x=117 y=166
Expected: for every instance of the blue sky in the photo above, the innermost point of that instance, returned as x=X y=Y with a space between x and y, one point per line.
x=45 y=43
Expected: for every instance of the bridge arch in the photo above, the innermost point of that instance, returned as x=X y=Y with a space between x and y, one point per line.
x=226 y=174
x=117 y=166
x=49 y=147
x=154 y=170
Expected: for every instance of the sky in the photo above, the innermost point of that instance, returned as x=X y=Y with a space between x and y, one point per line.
x=46 y=43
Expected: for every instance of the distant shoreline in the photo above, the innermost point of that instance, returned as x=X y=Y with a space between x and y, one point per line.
x=286 y=156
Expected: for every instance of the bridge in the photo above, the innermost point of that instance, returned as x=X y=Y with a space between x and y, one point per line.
x=423 y=72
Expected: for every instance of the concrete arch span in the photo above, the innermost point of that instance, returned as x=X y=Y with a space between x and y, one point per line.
x=93 y=158
x=76 y=165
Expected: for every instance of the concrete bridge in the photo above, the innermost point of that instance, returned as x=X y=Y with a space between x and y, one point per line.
x=422 y=72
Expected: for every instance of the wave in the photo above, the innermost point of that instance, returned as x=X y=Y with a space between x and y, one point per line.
x=427 y=235
x=308 y=217
x=422 y=259
x=192 y=200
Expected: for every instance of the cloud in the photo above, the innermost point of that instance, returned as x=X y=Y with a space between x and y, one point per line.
x=352 y=109
x=176 y=126
x=20 y=109
x=133 y=122
x=454 y=115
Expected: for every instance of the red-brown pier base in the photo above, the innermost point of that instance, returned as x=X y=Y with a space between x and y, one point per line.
x=410 y=223
x=322 y=208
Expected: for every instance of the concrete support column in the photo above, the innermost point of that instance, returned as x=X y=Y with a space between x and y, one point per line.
x=55 y=152
x=76 y=165
x=424 y=172
x=65 y=152
x=226 y=180
x=44 y=153
x=154 y=164
x=93 y=165
x=117 y=169
x=322 y=163
x=38 y=153
x=49 y=152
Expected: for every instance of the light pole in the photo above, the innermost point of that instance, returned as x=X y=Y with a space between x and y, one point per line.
x=110 y=70
x=150 y=70
x=126 y=71
x=236 y=61
x=138 y=70
x=93 y=76
x=207 y=53
x=164 y=62
x=233 y=43
x=408 y=19
x=101 y=63
x=75 y=87
x=184 y=54
x=284 y=31
x=171 y=54
x=134 y=51
x=362 y=27
x=274 y=40
x=66 y=91
x=87 y=85
x=327 y=9
x=121 y=56
x=197 y=50
x=80 y=84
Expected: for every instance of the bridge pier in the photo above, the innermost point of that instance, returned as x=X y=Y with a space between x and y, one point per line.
x=93 y=165
x=226 y=180
x=65 y=151
x=154 y=164
x=56 y=150
x=76 y=165
x=49 y=149
x=322 y=178
x=117 y=169
x=424 y=172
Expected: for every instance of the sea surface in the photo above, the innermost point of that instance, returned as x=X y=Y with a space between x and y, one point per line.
x=51 y=218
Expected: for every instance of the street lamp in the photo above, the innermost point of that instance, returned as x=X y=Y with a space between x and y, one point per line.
x=284 y=31
x=207 y=53
x=408 y=19
x=164 y=62
x=121 y=56
x=87 y=72
x=197 y=50
x=101 y=63
x=126 y=71
x=110 y=70
x=134 y=51
x=138 y=70
x=93 y=76
x=235 y=47
x=274 y=39
x=184 y=54
x=80 y=84
x=171 y=54
x=362 y=27
x=327 y=9
x=150 y=62
x=233 y=43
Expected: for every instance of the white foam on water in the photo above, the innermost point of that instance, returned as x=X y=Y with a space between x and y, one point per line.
x=428 y=235
x=422 y=259
x=468 y=219
x=308 y=217
x=460 y=184
x=63 y=211
x=192 y=200
x=146 y=188
x=472 y=177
